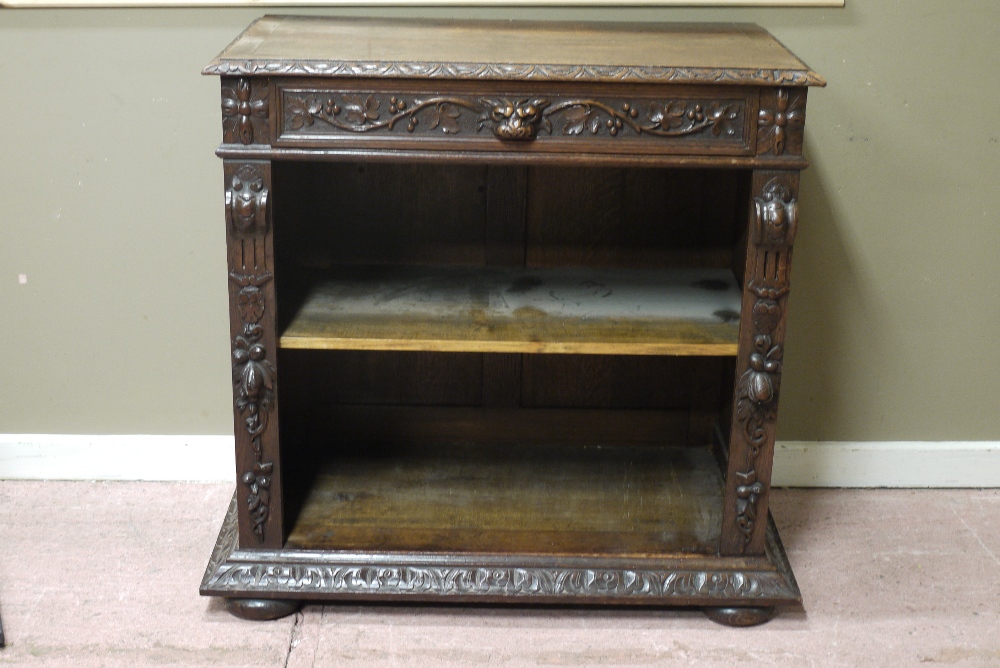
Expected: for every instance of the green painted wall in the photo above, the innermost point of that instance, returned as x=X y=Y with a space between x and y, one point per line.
x=110 y=204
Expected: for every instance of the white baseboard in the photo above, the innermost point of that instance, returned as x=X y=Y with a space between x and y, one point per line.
x=886 y=464
x=117 y=457
x=210 y=458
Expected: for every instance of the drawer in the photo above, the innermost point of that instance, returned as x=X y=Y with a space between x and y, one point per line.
x=490 y=116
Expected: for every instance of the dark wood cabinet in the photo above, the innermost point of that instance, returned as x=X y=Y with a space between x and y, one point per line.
x=507 y=307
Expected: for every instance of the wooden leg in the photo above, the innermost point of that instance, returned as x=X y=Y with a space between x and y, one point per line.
x=740 y=616
x=261 y=609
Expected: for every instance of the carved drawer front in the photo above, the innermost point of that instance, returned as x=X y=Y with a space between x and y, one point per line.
x=617 y=119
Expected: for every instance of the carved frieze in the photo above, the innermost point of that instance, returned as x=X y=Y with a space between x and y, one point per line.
x=518 y=119
x=246 y=201
x=781 y=120
x=244 y=111
x=396 y=580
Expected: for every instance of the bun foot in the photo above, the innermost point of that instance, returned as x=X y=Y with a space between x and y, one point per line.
x=261 y=609
x=740 y=616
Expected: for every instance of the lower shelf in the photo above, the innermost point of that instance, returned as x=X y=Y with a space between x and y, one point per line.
x=570 y=500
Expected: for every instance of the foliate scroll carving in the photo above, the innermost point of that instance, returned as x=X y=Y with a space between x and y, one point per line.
x=747 y=494
x=513 y=118
x=253 y=384
x=364 y=113
x=246 y=201
x=671 y=118
x=780 y=121
x=777 y=216
x=499 y=581
x=244 y=111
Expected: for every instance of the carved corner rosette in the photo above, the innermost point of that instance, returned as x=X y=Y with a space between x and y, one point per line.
x=511 y=119
x=781 y=121
x=253 y=391
x=245 y=111
x=247 y=201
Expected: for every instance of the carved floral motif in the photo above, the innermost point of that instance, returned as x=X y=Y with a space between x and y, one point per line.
x=514 y=119
x=240 y=106
x=356 y=114
x=246 y=201
x=253 y=384
x=757 y=391
x=780 y=126
x=747 y=493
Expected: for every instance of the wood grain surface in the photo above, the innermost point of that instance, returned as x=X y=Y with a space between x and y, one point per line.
x=681 y=312
x=508 y=499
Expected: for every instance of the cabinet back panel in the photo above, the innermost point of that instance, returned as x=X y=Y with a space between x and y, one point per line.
x=377 y=213
x=631 y=217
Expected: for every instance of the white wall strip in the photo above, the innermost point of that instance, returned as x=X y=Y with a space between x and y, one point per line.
x=131 y=457
x=210 y=458
x=886 y=464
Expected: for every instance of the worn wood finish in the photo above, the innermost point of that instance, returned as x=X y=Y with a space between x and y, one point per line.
x=638 y=312
x=510 y=499
x=513 y=50
x=420 y=211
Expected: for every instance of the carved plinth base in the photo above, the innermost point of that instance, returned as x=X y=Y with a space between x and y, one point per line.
x=733 y=587
x=744 y=616
x=261 y=609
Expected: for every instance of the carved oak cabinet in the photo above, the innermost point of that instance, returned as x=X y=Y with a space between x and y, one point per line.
x=507 y=307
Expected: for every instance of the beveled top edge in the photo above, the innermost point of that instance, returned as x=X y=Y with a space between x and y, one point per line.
x=439 y=49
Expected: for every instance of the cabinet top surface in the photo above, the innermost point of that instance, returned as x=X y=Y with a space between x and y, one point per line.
x=727 y=53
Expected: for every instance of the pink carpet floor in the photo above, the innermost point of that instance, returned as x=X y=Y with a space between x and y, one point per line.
x=107 y=574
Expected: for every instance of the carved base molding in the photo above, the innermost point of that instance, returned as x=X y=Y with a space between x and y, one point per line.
x=313 y=575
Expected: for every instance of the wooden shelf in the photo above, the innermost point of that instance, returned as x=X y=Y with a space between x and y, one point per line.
x=508 y=310
x=612 y=500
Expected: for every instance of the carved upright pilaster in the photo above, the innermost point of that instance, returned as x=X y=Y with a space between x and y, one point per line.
x=252 y=330
x=773 y=222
